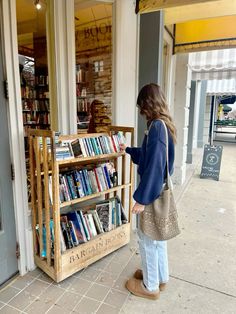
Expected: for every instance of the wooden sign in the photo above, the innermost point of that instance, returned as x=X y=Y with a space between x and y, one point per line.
x=211 y=161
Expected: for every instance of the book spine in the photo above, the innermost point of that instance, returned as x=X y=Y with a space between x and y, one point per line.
x=88 y=182
x=83 y=182
x=98 y=183
x=101 y=178
x=82 y=147
x=104 y=151
x=81 y=227
x=88 y=225
x=92 y=224
x=98 y=145
x=67 y=194
x=84 y=225
x=86 y=146
x=94 y=144
x=104 y=167
x=93 y=181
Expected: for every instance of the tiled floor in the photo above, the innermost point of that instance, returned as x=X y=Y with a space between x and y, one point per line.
x=98 y=288
x=201 y=259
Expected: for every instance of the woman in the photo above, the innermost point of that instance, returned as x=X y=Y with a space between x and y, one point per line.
x=151 y=159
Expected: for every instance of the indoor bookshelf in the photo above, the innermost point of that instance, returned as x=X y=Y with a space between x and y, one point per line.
x=59 y=249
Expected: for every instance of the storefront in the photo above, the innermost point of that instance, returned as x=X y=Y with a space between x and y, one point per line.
x=63 y=47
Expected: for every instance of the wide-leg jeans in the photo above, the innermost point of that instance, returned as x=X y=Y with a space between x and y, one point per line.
x=154 y=261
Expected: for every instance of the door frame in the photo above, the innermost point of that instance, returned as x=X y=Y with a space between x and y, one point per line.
x=16 y=134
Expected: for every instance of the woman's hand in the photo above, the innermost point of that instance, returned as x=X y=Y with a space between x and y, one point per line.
x=123 y=147
x=138 y=208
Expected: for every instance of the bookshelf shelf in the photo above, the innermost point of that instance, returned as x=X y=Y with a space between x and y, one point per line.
x=94 y=195
x=89 y=159
x=47 y=217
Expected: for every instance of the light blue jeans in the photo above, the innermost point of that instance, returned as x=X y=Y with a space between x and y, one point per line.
x=154 y=261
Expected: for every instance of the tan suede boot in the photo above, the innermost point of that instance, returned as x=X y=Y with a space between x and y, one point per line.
x=139 y=275
x=136 y=287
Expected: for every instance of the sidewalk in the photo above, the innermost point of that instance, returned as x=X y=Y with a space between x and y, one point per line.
x=202 y=263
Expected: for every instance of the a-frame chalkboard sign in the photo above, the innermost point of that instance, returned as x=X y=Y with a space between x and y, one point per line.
x=211 y=161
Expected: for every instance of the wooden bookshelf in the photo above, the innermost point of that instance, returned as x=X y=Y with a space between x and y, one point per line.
x=61 y=265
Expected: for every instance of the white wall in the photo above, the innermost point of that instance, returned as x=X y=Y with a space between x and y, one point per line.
x=196 y=113
x=125 y=63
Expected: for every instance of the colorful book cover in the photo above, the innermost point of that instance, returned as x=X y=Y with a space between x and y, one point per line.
x=92 y=224
x=88 y=182
x=101 y=178
x=97 y=221
x=107 y=177
x=73 y=216
x=84 y=225
x=94 y=144
x=78 y=183
x=93 y=181
x=88 y=225
x=76 y=148
x=86 y=147
x=73 y=233
x=83 y=182
x=98 y=183
x=98 y=145
x=104 y=214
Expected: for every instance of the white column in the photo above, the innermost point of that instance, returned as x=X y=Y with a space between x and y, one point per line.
x=196 y=113
x=181 y=115
x=61 y=60
x=124 y=63
x=16 y=131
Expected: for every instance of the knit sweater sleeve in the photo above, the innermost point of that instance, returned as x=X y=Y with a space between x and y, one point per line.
x=152 y=178
x=134 y=153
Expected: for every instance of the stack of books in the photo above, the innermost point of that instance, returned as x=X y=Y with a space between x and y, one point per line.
x=79 y=183
x=78 y=226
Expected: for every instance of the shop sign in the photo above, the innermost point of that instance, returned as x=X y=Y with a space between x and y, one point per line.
x=93 y=37
x=211 y=161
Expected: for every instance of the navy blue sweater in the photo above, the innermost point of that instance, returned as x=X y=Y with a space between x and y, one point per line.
x=151 y=161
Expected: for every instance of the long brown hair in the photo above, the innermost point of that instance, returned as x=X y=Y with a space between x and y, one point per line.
x=152 y=103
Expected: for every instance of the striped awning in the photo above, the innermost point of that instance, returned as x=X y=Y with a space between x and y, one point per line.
x=213 y=65
x=221 y=87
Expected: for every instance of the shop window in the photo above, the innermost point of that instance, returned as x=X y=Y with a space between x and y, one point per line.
x=33 y=65
x=93 y=32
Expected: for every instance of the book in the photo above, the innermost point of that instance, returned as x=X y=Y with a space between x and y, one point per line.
x=97 y=221
x=88 y=226
x=88 y=182
x=78 y=183
x=91 y=224
x=74 y=217
x=73 y=233
x=93 y=181
x=106 y=176
x=76 y=148
x=104 y=214
x=101 y=178
x=86 y=231
x=82 y=147
x=66 y=232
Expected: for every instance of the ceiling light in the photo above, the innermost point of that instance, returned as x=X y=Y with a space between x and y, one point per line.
x=37 y=4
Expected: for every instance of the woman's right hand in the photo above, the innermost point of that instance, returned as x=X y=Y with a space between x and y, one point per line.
x=122 y=147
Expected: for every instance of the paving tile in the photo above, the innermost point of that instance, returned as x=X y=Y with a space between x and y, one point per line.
x=56 y=309
x=65 y=284
x=35 y=272
x=89 y=274
x=9 y=310
x=87 y=306
x=102 y=263
x=97 y=292
x=22 y=281
x=67 y=301
x=22 y=300
x=45 y=277
x=116 y=298
x=2 y=304
x=114 y=267
x=47 y=299
x=36 y=287
x=80 y=286
x=108 y=309
x=107 y=279
x=7 y=293
x=120 y=284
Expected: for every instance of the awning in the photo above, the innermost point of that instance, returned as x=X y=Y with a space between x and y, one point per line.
x=221 y=87
x=213 y=65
